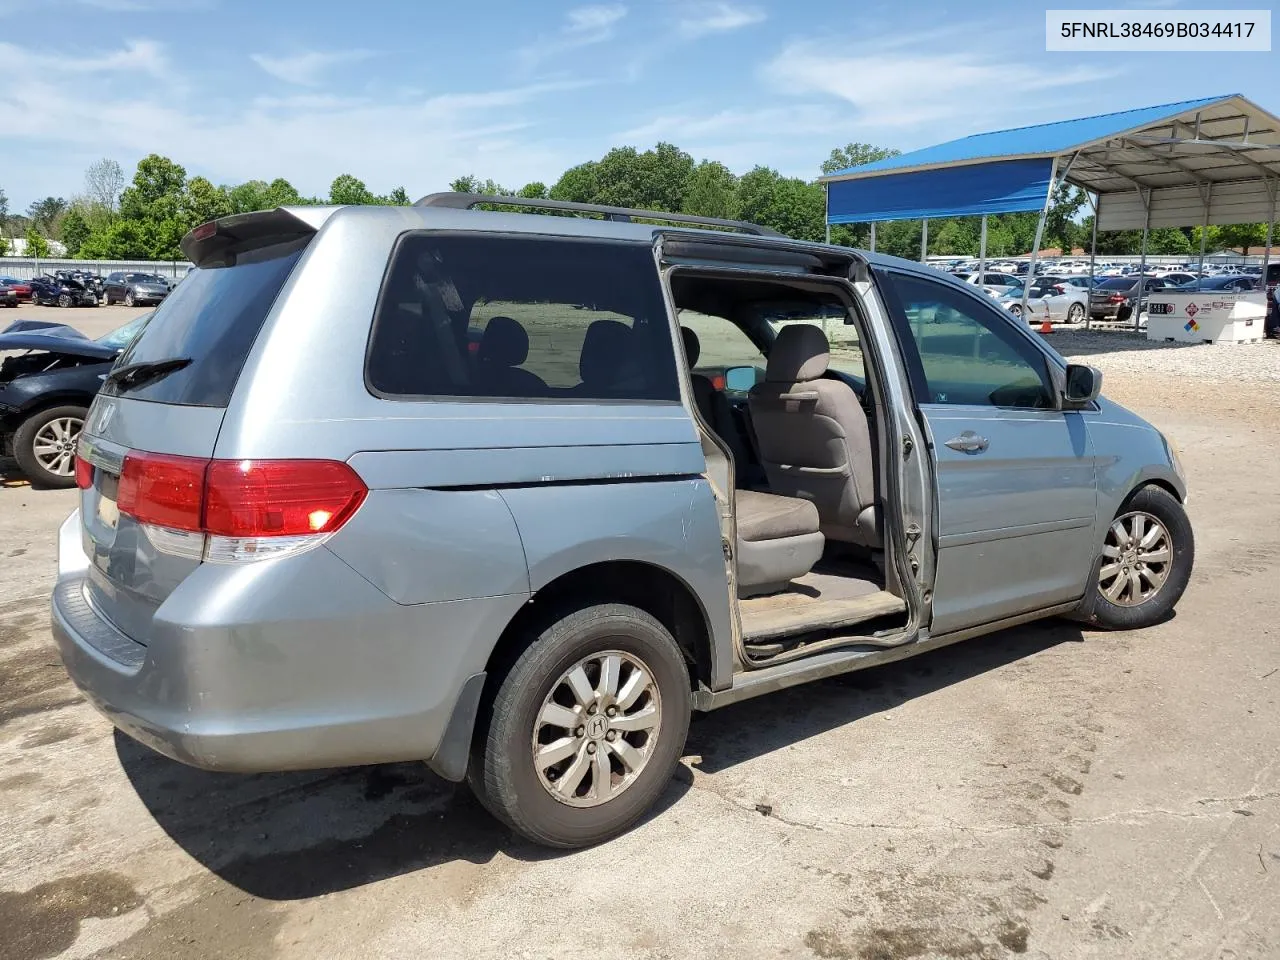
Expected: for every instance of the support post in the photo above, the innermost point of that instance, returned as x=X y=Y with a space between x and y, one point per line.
x=1035 y=246
x=826 y=210
x=982 y=249
x=924 y=240
x=1142 y=263
x=1273 y=187
x=873 y=236
x=1206 y=197
x=1093 y=257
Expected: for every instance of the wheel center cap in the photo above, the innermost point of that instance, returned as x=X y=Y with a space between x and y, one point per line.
x=597 y=727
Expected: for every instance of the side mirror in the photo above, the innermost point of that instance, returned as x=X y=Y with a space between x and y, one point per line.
x=740 y=379
x=1083 y=383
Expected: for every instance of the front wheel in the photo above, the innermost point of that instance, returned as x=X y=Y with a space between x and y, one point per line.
x=1075 y=313
x=45 y=445
x=586 y=728
x=128 y=299
x=1145 y=563
x=64 y=301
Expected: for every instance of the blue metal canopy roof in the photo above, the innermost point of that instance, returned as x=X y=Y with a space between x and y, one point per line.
x=1043 y=139
x=1164 y=161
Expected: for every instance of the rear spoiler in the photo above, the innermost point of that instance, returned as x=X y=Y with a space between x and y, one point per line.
x=216 y=243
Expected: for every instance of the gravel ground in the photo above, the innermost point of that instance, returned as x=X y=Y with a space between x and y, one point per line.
x=1047 y=792
x=1121 y=352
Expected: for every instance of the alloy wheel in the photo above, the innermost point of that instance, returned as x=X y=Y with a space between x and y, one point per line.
x=597 y=728
x=1075 y=314
x=55 y=445
x=64 y=300
x=1137 y=557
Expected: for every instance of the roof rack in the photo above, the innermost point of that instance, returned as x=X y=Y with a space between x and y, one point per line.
x=466 y=201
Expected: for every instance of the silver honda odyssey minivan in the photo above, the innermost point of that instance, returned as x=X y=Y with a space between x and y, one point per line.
x=513 y=494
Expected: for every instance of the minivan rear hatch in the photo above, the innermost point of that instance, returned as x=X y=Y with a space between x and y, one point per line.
x=153 y=427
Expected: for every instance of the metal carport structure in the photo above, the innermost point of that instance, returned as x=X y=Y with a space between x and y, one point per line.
x=1202 y=162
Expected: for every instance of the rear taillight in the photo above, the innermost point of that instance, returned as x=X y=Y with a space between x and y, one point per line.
x=1115 y=298
x=279 y=498
x=84 y=473
x=239 y=509
x=163 y=490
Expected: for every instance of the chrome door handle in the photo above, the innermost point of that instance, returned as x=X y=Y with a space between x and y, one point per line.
x=968 y=442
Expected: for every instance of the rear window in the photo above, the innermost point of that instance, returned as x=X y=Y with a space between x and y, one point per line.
x=1115 y=283
x=482 y=316
x=212 y=317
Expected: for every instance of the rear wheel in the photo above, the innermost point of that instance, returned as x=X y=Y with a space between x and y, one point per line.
x=1145 y=563
x=64 y=300
x=1016 y=310
x=45 y=445
x=128 y=298
x=586 y=727
x=1075 y=313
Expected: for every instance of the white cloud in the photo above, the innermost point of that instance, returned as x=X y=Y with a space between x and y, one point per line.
x=595 y=19
x=420 y=142
x=135 y=56
x=582 y=27
x=700 y=20
x=941 y=79
x=306 y=69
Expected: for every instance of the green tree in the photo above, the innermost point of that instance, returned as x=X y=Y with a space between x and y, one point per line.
x=4 y=246
x=45 y=214
x=75 y=231
x=855 y=155
x=120 y=240
x=202 y=202
x=37 y=246
x=534 y=191
x=4 y=211
x=398 y=197
x=1060 y=227
x=787 y=204
x=156 y=192
x=1242 y=236
x=347 y=189
x=578 y=184
x=711 y=190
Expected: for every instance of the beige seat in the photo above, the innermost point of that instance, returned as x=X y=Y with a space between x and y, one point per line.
x=778 y=541
x=814 y=438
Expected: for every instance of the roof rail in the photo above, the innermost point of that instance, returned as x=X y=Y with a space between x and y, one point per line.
x=466 y=201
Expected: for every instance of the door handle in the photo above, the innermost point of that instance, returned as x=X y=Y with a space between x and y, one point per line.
x=968 y=442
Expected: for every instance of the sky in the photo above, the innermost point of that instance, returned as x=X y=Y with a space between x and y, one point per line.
x=418 y=92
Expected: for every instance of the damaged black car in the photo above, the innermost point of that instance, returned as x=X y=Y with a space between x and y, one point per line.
x=49 y=374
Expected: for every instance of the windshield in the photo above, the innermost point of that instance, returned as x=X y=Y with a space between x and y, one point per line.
x=143 y=278
x=121 y=337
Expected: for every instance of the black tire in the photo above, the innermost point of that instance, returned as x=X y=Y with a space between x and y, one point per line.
x=128 y=299
x=1075 y=313
x=502 y=771
x=1163 y=506
x=64 y=301
x=106 y=298
x=24 y=445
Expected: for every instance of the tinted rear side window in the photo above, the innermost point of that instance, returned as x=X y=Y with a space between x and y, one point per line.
x=483 y=316
x=212 y=317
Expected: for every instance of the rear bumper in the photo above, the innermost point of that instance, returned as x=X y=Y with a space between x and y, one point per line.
x=260 y=668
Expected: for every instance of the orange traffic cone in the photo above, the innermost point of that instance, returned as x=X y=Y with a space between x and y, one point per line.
x=1046 y=326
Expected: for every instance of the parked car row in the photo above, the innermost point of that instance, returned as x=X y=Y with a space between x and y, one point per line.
x=78 y=288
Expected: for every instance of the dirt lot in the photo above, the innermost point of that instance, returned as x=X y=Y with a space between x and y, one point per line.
x=1043 y=792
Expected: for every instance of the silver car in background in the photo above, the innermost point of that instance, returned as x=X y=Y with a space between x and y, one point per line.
x=514 y=494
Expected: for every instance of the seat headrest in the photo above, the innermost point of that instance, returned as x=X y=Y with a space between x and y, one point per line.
x=605 y=348
x=504 y=343
x=692 y=346
x=800 y=352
